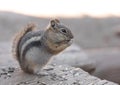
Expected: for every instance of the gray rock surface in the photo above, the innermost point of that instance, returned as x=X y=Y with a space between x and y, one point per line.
x=107 y=63
x=57 y=75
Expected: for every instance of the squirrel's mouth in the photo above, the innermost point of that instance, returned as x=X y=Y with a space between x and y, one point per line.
x=70 y=41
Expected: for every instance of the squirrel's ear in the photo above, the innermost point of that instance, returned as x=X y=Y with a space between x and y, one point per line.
x=53 y=22
x=57 y=20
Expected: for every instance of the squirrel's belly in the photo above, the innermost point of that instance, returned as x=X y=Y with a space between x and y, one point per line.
x=38 y=55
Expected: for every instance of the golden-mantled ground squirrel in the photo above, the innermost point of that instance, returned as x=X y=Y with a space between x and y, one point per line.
x=34 y=49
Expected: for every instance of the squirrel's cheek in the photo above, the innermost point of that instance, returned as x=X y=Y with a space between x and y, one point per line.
x=60 y=37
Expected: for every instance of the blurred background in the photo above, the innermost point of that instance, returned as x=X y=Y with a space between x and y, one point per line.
x=94 y=23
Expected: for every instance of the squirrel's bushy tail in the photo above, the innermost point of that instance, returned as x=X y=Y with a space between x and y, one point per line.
x=18 y=37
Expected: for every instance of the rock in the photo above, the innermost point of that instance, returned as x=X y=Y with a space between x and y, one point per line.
x=107 y=63
x=58 y=75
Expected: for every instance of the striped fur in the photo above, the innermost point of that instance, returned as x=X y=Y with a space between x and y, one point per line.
x=24 y=49
x=32 y=48
x=18 y=37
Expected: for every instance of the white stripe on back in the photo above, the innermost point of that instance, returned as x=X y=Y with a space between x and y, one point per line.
x=32 y=39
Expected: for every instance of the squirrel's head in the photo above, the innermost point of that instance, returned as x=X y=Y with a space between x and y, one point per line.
x=59 y=35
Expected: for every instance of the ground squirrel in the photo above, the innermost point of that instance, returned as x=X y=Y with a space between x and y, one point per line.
x=34 y=49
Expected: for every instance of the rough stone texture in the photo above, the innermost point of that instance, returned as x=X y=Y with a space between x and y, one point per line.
x=57 y=75
x=11 y=74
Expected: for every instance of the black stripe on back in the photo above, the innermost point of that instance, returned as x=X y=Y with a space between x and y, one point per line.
x=28 y=36
x=30 y=45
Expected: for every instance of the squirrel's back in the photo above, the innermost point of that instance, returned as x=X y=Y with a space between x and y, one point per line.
x=18 y=37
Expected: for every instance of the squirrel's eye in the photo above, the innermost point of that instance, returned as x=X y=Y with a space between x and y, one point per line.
x=63 y=30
